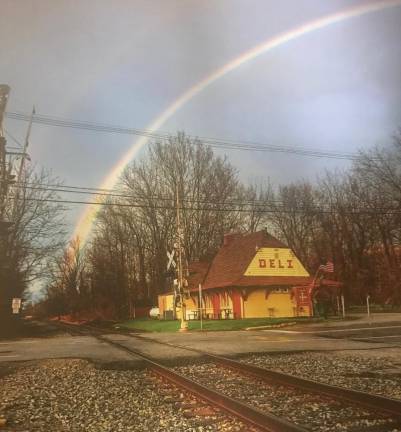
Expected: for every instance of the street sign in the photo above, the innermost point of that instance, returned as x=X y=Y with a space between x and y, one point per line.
x=16 y=305
x=16 y=302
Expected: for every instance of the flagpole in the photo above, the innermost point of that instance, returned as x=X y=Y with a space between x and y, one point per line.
x=329 y=267
x=311 y=291
x=343 y=304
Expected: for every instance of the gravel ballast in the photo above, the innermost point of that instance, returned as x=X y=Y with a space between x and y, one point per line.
x=376 y=375
x=309 y=410
x=74 y=395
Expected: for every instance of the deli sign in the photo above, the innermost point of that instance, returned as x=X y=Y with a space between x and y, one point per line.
x=276 y=263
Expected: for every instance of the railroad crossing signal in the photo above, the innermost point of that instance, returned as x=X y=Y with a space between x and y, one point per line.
x=171 y=262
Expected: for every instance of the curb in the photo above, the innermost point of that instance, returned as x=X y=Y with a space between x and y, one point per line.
x=287 y=324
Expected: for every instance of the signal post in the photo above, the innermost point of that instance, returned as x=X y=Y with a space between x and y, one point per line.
x=180 y=272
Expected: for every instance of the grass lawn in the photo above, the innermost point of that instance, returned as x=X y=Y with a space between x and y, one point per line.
x=154 y=325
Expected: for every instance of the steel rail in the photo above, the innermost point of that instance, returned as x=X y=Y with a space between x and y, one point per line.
x=373 y=402
x=263 y=421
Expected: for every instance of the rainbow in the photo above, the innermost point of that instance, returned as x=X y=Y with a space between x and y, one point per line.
x=84 y=225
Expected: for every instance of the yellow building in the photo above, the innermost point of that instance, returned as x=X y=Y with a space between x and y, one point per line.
x=253 y=275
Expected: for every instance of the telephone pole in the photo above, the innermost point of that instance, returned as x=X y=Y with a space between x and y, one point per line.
x=4 y=93
x=5 y=180
x=22 y=162
x=4 y=173
x=180 y=233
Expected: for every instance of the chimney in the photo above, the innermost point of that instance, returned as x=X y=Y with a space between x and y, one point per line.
x=228 y=238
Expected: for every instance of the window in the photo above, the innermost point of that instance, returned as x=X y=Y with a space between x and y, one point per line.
x=280 y=290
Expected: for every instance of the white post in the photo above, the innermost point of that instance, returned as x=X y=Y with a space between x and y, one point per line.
x=338 y=306
x=342 y=304
x=200 y=306
x=367 y=305
x=184 y=323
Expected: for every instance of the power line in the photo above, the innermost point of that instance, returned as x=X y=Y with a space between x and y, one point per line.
x=259 y=204
x=314 y=210
x=75 y=187
x=212 y=142
x=77 y=190
x=93 y=191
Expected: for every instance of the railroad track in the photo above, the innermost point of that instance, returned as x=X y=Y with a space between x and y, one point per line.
x=254 y=417
x=369 y=413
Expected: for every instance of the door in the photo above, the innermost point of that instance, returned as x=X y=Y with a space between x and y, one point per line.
x=236 y=299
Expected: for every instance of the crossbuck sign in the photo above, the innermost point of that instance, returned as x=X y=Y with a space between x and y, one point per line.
x=171 y=262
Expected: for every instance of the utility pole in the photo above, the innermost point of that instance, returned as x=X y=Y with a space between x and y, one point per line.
x=184 y=323
x=22 y=162
x=5 y=180
x=26 y=143
x=4 y=93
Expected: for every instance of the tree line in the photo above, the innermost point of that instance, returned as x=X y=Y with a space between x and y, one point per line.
x=33 y=232
x=351 y=217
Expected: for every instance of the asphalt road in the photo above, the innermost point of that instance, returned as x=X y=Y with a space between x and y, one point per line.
x=43 y=341
x=37 y=340
x=372 y=331
x=389 y=334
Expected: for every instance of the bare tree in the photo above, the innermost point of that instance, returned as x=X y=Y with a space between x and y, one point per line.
x=207 y=186
x=127 y=257
x=293 y=217
x=36 y=234
x=351 y=217
x=255 y=204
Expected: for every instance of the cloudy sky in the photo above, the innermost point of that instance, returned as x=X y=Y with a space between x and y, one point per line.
x=124 y=62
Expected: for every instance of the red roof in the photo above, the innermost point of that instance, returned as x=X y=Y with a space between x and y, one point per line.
x=197 y=273
x=229 y=265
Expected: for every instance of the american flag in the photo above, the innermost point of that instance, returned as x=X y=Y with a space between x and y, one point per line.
x=328 y=267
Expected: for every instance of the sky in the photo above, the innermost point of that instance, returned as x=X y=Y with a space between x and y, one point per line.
x=124 y=62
